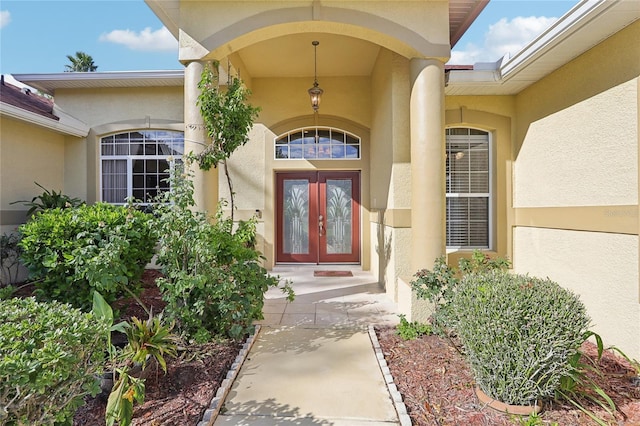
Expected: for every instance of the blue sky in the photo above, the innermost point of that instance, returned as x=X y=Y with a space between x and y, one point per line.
x=121 y=35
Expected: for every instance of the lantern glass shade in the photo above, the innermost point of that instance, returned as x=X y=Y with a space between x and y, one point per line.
x=315 y=94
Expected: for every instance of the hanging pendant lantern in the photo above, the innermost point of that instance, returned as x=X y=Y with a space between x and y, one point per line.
x=315 y=93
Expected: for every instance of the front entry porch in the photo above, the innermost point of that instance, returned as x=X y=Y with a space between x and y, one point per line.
x=355 y=301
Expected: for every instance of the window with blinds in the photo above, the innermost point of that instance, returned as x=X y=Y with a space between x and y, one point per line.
x=468 y=188
x=136 y=164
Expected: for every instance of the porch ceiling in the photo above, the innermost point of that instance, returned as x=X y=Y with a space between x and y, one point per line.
x=292 y=56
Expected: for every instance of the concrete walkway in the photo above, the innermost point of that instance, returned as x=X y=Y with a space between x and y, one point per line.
x=313 y=362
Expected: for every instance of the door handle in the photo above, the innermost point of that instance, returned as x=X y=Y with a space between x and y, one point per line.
x=320 y=225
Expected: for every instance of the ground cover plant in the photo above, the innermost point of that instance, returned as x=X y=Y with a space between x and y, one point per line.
x=50 y=358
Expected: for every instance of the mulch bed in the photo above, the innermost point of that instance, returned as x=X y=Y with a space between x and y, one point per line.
x=430 y=373
x=437 y=386
x=182 y=395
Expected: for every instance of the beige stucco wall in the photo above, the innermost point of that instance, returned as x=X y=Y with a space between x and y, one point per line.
x=584 y=154
x=100 y=106
x=28 y=154
x=398 y=25
x=390 y=220
x=577 y=130
x=114 y=110
x=576 y=183
x=601 y=268
x=283 y=99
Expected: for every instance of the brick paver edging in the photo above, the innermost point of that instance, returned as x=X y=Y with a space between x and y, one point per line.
x=211 y=414
x=396 y=397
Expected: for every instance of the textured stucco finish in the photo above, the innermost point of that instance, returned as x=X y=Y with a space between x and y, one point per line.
x=585 y=154
x=601 y=268
x=29 y=154
x=576 y=140
x=398 y=25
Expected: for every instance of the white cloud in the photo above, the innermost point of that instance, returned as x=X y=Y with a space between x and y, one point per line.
x=5 y=18
x=146 y=40
x=503 y=37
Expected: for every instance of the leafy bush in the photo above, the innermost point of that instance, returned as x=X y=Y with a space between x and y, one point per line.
x=519 y=333
x=439 y=284
x=72 y=252
x=50 y=200
x=50 y=358
x=214 y=281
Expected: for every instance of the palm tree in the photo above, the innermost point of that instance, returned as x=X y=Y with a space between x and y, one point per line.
x=80 y=63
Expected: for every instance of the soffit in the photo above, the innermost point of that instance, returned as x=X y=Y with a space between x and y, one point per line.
x=48 y=83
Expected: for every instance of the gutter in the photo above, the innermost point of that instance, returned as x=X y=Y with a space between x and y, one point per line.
x=482 y=72
x=563 y=28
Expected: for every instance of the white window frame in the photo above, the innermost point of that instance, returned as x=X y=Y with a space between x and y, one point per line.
x=129 y=158
x=488 y=195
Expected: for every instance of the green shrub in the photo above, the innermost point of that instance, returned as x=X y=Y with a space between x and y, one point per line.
x=518 y=332
x=214 y=283
x=50 y=358
x=72 y=252
x=439 y=284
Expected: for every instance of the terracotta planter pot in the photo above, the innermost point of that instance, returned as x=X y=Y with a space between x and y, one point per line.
x=519 y=410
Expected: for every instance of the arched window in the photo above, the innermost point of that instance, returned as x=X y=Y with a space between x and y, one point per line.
x=317 y=143
x=136 y=164
x=468 y=179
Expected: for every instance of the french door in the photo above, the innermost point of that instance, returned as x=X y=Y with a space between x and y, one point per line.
x=318 y=217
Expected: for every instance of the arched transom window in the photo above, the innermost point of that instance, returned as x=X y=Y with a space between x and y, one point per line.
x=136 y=164
x=317 y=143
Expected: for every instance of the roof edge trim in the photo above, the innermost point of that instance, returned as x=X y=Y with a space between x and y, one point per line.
x=67 y=124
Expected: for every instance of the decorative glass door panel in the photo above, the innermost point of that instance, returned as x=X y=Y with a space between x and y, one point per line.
x=296 y=216
x=318 y=217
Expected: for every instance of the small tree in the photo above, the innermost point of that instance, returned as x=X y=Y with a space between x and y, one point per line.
x=82 y=62
x=228 y=119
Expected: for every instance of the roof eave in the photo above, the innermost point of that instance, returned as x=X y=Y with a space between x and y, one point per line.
x=47 y=83
x=66 y=124
x=578 y=19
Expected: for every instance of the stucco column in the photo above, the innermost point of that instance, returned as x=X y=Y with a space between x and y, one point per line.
x=427 y=162
x=205 y=183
